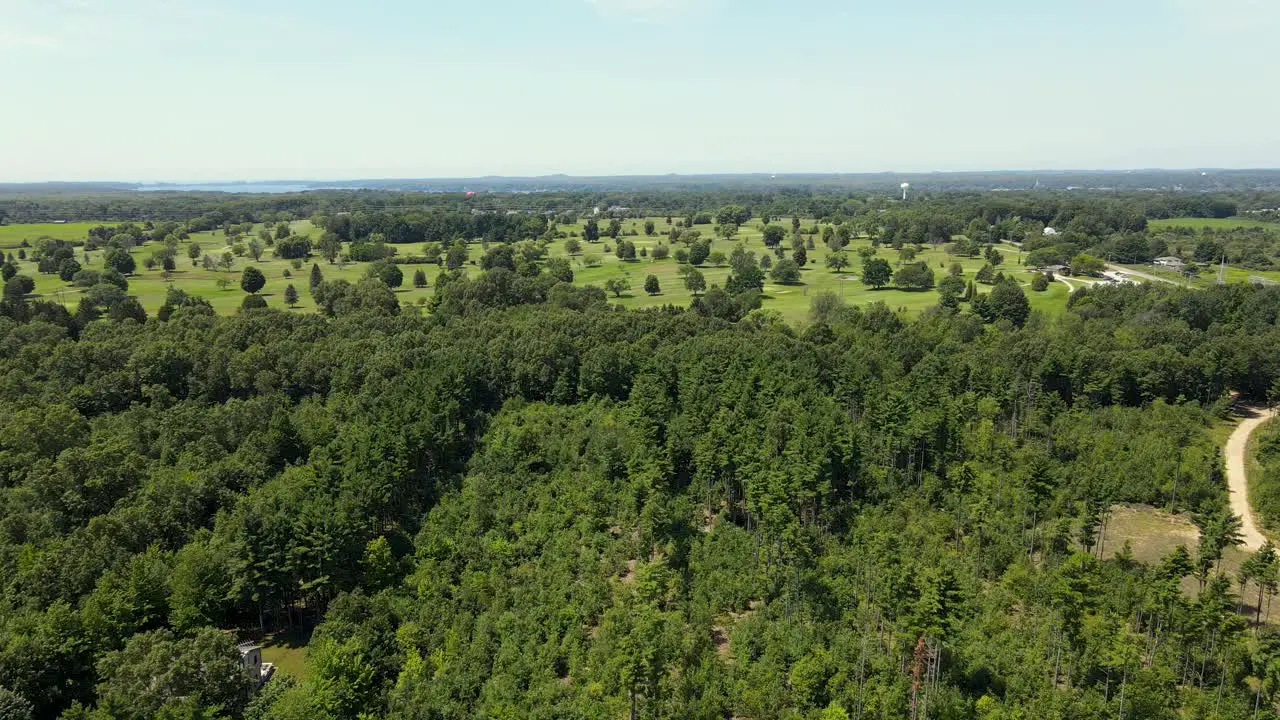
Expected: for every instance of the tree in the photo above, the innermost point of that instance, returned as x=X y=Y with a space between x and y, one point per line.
x=1005 y=302
x=316 y=276
x=838 y=260
x=1083 y=264
x=950 y=290
x=419 y=278
x=290 y=295
x=699 y=252
x=68 y=269
x=18 y=287
x=732 y=215
x=986 y=275
x=8 y=270
x=843 y=236
x=194 y=252
x=651 y=285
x=388 y=272
x=455 y=257
x=157 y=675
x=119 y=260
x=252 y=279
x=914 y=276
x=255 y=248
x=617 y=286
x=572 y=246
x=293 y=247
x=876 y=272
x=1040 y=282
x=648 y=227
x=625 y=251
x=694 y=281
x=282 y=230
x=330 y=246
x=774 y=235
x=800 y=256
x=716 y=259
x=785 y=271
x=993 y=256
x=15 y=707
x=591 y=231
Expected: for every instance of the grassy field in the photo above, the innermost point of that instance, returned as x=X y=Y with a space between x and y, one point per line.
x=1152 y=534
x=594 y=265
x=288 y=652
x=11 y=236
x=1215 y=223
x=1209 y=276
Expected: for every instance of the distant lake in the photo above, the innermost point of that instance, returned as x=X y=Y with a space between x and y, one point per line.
x=246 y=187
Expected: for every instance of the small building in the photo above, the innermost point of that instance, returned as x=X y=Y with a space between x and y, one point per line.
x=1054 y=269
x=251 y=660
x=1171 y=262
x=1049 y=232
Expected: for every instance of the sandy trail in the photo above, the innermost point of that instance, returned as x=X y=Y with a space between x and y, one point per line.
x=1237 y=478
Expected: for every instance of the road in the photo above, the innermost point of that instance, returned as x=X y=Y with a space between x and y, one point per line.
x=1237 y=478
x=1140 y=274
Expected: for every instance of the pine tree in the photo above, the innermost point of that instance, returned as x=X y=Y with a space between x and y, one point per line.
x=290 y=296
x=317 y=277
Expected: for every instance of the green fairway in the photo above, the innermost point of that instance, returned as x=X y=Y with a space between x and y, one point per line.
x=11 y=236
x=594 y=265
x=1215 y=223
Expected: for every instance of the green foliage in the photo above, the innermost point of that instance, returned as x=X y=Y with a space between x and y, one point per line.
x=876 y=272
x=252 y=280
x=523 y=502
x=785 y=271
x=914 y=276
x=1006 y=301
x=387 y=272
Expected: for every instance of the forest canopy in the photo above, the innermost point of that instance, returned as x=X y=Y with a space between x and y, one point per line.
x=527 y=503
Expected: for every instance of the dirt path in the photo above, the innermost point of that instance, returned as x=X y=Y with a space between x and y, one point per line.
x=1237 y=478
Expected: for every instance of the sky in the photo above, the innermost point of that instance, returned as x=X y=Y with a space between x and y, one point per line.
x=194 y=90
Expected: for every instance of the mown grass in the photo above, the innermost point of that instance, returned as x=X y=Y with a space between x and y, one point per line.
x=288 y=652
x=1215 y=223
x=596 y=264
x=11 y=236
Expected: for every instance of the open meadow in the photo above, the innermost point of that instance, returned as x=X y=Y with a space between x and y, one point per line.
x=1215 y=223
x=595 y=264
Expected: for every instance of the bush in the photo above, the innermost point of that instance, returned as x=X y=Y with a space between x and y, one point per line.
x=253 y=302
x=1040 y=282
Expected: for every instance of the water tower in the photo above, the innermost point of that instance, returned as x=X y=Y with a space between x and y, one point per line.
x=905 y=188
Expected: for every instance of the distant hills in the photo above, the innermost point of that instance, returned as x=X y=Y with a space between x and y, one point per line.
x=1198 y=180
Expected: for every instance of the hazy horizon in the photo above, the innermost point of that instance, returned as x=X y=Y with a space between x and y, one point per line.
x=279 y=89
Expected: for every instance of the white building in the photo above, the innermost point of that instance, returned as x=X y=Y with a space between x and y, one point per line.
x=251 y=660
x=1050 y=231
x=1170 y=262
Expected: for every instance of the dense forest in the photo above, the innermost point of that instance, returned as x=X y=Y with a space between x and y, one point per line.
x=524 y=503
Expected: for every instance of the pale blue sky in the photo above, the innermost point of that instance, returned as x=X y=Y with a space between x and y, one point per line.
x=253 y=89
